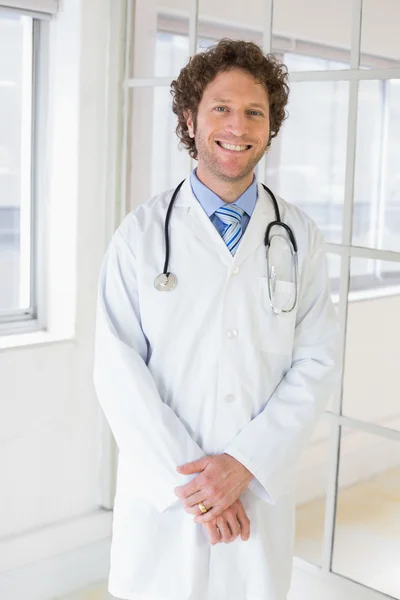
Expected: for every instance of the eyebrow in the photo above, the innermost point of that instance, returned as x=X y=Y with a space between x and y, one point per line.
x=228 y=100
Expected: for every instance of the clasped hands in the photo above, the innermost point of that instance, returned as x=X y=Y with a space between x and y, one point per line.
x=220 y=481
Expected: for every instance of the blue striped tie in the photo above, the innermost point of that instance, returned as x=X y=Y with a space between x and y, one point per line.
x=232 y=217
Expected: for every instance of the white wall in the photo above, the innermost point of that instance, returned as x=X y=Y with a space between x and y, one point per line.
x=50 y=431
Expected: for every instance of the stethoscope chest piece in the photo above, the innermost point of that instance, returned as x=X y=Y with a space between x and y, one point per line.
x=165 y=282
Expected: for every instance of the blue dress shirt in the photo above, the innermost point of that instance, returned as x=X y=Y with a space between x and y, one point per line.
x=210 y=202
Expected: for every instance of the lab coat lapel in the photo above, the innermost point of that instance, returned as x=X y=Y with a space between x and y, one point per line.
x=254 y=235
x=201 y=226
x=199 y=223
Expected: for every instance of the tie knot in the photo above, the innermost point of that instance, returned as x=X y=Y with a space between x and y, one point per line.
x=230 y=215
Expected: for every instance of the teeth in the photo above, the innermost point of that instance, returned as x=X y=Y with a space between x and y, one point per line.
x=231 y=147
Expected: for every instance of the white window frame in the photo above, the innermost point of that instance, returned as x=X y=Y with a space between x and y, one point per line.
x=38 y=8
x=22 y=320
x=56 y=184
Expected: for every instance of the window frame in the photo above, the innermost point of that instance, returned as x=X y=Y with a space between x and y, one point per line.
x=19 y=320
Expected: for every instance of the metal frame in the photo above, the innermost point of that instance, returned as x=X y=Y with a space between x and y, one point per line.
x=345 y=250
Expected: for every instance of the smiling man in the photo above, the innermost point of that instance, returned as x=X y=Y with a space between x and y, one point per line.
x=213 y=373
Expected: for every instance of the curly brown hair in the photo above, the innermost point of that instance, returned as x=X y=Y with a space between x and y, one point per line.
x=187 y=90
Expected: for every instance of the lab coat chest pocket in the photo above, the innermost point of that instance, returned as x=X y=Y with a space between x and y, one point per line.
x=277 y=331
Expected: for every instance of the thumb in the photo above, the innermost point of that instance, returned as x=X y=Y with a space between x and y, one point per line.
x=192 y=467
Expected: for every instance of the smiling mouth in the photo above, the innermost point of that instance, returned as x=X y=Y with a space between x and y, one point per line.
x=233 y=147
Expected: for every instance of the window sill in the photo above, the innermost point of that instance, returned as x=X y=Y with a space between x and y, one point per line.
x=31 y=335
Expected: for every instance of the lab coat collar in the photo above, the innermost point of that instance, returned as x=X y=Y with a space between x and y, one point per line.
x=199 y=223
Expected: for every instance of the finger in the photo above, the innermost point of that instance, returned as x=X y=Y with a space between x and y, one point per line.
x=226 y=533
x=193 y=467
x=213 y=532
x=183 y=491
x=195 y=510
x=195 y=499
x=233 y=523
x=211 y=514
x=244 y=522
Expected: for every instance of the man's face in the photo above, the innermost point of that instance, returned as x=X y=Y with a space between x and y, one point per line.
x=233 y=111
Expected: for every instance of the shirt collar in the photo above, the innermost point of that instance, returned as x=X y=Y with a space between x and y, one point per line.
x=210 y=202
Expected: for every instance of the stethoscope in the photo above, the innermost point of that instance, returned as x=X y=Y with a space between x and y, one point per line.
x=166 y=281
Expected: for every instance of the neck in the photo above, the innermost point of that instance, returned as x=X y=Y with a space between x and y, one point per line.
x=228 y=190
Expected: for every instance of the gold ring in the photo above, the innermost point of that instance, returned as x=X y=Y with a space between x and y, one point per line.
x=202 y=508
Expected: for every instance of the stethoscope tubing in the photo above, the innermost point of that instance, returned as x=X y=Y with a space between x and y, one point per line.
x=267 y=232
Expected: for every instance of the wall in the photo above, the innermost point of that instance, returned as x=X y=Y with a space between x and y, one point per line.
x=50 y=433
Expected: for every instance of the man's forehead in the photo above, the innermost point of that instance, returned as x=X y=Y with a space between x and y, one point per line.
x=228 y=84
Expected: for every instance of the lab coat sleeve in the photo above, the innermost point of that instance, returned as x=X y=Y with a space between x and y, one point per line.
x=147 y=431
x=270 y=445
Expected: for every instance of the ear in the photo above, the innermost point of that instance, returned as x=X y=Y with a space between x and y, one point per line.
x=189 y=123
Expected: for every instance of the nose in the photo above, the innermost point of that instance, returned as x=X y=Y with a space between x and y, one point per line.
x=237 y=123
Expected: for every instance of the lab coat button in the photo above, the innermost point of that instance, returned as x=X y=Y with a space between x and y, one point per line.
x=235 y=271
x=230 y=398
x=232 y=333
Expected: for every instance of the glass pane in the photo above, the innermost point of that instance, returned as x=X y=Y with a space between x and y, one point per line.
x=15 y=161
x=243 y=21
x=311 y=479
x=367 y=533
x=306 y=163
x=161 y=38
x=157 y=164
x=312 y=475
x=377 y=177
x=372 y=357
x=334 y=272
x=312 y=35
x=380 y=46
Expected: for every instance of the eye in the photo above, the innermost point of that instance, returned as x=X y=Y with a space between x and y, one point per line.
x=220 y=108
x=256 y=113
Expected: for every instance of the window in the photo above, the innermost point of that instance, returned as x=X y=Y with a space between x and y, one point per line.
x=312 y=174
x=20 y=31
x=16 y=128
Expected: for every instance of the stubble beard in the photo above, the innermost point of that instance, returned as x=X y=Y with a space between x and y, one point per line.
x=210 y=163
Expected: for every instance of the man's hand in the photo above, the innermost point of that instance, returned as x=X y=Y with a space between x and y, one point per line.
x=231 y=523
x=221 y=481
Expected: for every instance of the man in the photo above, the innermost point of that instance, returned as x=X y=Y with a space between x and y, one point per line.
x=210 y=394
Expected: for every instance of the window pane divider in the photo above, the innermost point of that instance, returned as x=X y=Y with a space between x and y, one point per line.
x=193 y=20
x=344 y=75
x=294 y=76
x=362 y=252
x=363 y=426
x=334 y=455
x=121 y=208
x=268 y=23
x=14 y=316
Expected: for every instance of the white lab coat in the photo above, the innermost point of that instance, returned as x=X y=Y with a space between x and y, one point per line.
x=205 y=369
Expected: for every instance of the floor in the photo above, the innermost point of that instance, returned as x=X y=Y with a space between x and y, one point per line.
x=367 y=541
